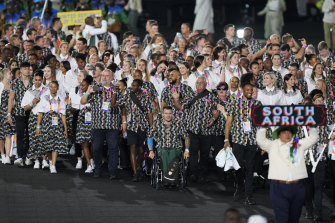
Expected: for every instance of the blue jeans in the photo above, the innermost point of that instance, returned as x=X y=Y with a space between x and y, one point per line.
x=287 y=201
x=98 y=138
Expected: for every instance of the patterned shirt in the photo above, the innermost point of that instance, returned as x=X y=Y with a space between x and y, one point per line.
x=104 y=117
x=168 y=136
x=220 y=123
x=136 y=118
x=18 y=87
x=228 y=45
x=292 y=59
x=253 y=45
x=186 y=94
x=238 y=134
x=22 y=58
x=302 y=87
x=330 y=58
x=150 y=89
x=46 y=51
x=200 y=113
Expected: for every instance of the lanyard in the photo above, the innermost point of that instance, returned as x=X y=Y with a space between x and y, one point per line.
x=241 y=107
x=104 y=94
x=209 y=102
x=233 y=70
x=331 y=91
x=226 y=102
x=135 y=104
x=51 y=111
x=173 y=87
x=155 y=76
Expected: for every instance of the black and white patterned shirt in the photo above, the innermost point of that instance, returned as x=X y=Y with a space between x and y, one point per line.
x=109 y=118
x=150 y=89
x=292 y=59
x=228 y=45
x=239 y=135
x=253 y=45
x=136 y=118
x=200 y=113
x=186 y=95
x=18 y=87
x=168 y=136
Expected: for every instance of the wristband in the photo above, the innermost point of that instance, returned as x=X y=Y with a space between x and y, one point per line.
x=38 y=127
x=226 y=140
x=9 y=114
x=186 y=150
x=304 y=46
x=225 y=115
x=87 y=93
x=151 y=143
x=214 y=119
x=124 y=122
x=31 y=104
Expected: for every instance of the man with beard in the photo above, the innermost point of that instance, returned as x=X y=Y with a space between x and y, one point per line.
x=185 y=93
x=243 y=134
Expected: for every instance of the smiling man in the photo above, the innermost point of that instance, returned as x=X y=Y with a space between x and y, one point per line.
x=286 y=170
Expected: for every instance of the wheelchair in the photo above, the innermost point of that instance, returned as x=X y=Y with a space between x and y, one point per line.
x=157 y=177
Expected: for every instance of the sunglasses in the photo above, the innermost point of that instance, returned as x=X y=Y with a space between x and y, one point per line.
x=221 y=89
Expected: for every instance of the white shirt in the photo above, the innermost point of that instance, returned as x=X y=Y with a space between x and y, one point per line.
x=30 y=95
x=211 y=80
x=44 y=105
x=1 y=89
x=75 y=99
x=115 y=44
x=282 y=70
x=273 y=5
x=233 y=71
x=156 y=80
x=280 y=164
x=73 y=62
x=291 y=97
x=311 y=83
x=269 y=96
x=95 y=31
x=66 y=82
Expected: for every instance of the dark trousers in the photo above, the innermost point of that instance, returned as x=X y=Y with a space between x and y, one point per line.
x=200 y=143
x=98 y=138
x=313 y=187
x=245 y=155
x=22 y=141
x=287 y=201
x=331 y=165
x=217 y=143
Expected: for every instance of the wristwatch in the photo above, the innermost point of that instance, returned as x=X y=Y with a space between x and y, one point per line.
x=226 y=140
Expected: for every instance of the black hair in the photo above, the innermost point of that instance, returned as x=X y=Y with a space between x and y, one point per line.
x=139 y=82
x=39 y=73
x=253 y=63
x=36 y=48
x=216 y=51
x=294 y=65
x=112 y=67
x=285 y=128
x=286 y=78
x=66 y=65
x=309 y=57
x=81 y=56
x=54 y=20
x=274 y=44
x=226 y=27
x=246 y=78
x=83 y=40
x=285 y=47
x=88 y=79
x=54 y=82
x=167 y=107
x=124 y=81
x=25 y=64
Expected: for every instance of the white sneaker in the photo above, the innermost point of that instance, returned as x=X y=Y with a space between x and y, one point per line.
x=18 y=162
x=53 y=169
x=37 y=164
x=7 y=160
x=28 y=162
x=89 y=169
x=92 y=163
x=3 y=158
x=45 y=164
x=79 y=164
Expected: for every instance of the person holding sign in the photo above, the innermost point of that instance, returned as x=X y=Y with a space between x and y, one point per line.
x=51 y=125
x=244 y=138
x=287 y=170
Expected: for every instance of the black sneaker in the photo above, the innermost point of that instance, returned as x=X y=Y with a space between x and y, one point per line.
x=249 y=201
x=135 y=178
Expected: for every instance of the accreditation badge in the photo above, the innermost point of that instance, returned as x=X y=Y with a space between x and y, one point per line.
x=246 y=126
x=105 y=106
x=88 y=117
x=54 y=120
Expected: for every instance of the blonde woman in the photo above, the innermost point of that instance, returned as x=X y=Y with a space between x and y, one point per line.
x=270 y=95
x=322 y=86
x=233 y=68
x=143 y=67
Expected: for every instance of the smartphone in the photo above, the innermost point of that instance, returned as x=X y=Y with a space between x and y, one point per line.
x=97 y=88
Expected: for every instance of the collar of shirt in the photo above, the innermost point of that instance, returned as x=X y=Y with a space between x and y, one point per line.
x=270 y=89
x=66 y=57
x=273 y=68
x=233 y=67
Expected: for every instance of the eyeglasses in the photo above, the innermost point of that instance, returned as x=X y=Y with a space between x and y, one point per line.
x=221 y=89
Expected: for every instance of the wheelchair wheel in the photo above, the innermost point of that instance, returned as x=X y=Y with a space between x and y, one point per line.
x=182 y=173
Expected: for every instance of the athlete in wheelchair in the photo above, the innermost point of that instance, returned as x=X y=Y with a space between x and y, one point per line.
x=169 y=159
